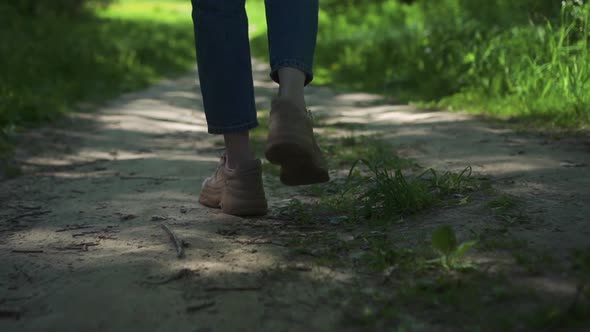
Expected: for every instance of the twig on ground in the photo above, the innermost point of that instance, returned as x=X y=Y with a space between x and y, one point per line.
x=28 y=214
x=178 y=243
x=85 y=233
x=79 y=246
x=107 y=237
x=200 y=306
x=123 y=177
x=24 y=207
x=18 y=251
x=182 y=274
x=160 y=218
x=232 y=289
x=259 y=241
x=73 y=227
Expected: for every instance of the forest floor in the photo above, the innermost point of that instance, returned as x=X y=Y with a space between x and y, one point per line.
x=82 y=247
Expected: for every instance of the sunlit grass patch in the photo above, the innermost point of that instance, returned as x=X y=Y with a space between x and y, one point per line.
x=178 y=12
x=526 y=60
x=52 y=62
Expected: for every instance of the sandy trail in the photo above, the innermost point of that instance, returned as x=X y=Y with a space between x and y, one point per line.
x=98 y=185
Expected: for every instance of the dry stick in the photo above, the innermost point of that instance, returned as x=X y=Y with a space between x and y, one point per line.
x=178 y=243
x=201 y=306
x=232 y=289
x=29 y=214
x=79 y=246
x=20 y=206
x=184 y=273
x=16 y=251
x=259 y=241
x=85 y=233
x=73 y=227
x=123 y=177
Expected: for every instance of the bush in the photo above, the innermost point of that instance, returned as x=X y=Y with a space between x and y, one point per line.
x=50 y=63
x=523 y=58
x=34 y=8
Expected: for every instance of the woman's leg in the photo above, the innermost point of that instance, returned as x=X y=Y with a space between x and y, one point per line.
x=225 y=73
x=292 y=31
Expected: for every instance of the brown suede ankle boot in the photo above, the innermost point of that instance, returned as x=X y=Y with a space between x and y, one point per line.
x=236 y=191
x=291 y=145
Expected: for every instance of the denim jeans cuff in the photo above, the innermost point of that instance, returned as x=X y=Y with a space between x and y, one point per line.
x=232 y=129
x=291 y=63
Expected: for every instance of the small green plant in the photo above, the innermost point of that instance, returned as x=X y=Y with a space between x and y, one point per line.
x=506 y=208
x=449 y=182
x=502 y=204
x=451 y=253
x=298 y=211
x=388 y=194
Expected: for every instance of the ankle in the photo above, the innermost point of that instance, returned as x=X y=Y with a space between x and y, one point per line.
x=233 y=161
x=298 y=100
x=237 y=149
x=292 y=83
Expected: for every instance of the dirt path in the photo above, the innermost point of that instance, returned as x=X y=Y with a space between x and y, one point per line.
x=98 y=185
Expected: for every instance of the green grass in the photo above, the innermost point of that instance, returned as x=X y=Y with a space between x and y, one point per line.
x=52 y=62
x=524 y=59
x=382 y=193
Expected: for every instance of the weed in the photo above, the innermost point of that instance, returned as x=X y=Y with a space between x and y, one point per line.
x=296 y=211
x=388 y=195
x=502 y=204
x=506 y=209
x=451 y=253
x=449 y=182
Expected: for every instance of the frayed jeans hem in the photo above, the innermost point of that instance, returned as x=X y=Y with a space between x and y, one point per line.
x=291 y=63
x=218 y=130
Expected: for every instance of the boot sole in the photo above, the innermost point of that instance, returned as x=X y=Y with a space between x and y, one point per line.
x=297 y=165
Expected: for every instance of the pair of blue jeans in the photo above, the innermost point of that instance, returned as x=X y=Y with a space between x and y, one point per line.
x=223 y=55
